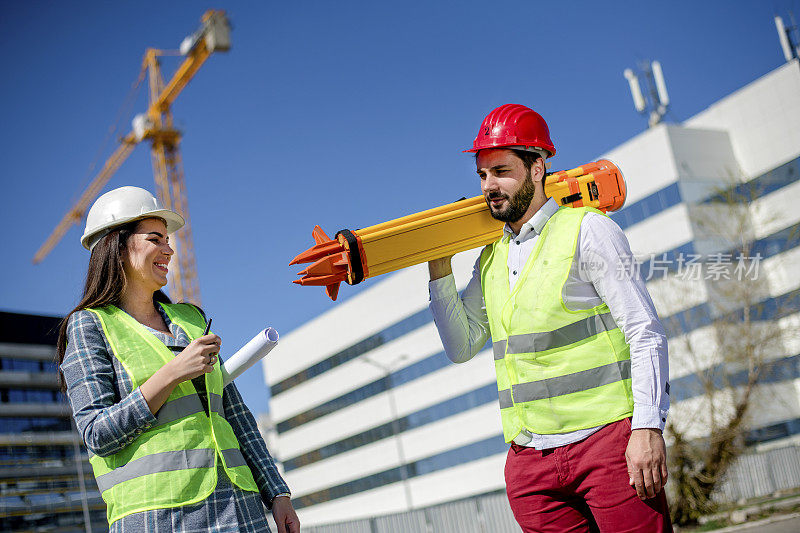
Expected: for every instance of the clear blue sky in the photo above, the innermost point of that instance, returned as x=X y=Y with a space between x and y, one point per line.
x=343 y=114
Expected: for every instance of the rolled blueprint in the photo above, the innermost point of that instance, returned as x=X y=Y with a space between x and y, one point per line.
x=249 y=354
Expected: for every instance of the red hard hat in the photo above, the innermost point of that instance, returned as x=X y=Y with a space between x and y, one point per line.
x=514 y=125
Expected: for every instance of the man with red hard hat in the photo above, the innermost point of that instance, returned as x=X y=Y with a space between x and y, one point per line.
x=579 y=352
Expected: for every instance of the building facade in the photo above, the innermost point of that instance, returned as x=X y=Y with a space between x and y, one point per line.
x=374 y=420
x=46 y=482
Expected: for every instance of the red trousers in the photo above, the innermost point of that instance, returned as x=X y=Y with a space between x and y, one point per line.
x=581 y=487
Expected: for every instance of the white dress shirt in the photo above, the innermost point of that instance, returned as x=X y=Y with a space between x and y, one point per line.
x=601 y=272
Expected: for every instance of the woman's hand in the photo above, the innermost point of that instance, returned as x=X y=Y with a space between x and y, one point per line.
x=284 y=515
x=195 y=360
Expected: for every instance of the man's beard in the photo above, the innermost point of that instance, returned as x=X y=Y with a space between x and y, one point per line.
x=517 y=204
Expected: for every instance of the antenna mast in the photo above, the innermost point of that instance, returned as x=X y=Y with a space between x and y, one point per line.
x=788 y=38
x=655 y=101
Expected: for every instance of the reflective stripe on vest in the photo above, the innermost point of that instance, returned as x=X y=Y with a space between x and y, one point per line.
x=579 y=381
x=167 y=462
x=540 y=342
x=185 y=406
x=558 y=370
x=233 y=457
x=172 y=463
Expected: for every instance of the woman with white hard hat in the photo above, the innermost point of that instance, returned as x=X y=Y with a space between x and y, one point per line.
x=170 y=450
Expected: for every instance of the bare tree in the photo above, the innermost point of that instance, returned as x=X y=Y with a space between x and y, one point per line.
x=724 y=339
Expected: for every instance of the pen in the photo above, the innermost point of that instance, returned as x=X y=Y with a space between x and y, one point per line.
x=208 y=328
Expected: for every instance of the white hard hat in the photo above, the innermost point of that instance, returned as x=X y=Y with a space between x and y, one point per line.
x=121 y=206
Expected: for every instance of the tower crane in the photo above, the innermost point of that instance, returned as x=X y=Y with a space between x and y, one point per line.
x=156 y=126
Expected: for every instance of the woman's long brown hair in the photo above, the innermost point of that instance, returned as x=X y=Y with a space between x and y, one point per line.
x=105 y=281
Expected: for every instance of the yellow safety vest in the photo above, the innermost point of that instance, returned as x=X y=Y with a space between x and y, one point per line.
x=174 y=462
x=558 y=370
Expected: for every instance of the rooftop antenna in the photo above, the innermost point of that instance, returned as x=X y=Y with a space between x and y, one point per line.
x=788 y=38
x=656 y=101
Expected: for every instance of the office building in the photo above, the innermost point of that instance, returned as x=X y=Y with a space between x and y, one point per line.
x=46 y=482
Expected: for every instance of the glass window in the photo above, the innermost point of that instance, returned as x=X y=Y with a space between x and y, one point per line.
x=30 y=396
x=394 y=331
x=450 y=407
x=462 y=454
x=19 y=424
x=648 y=206
x=767 y=183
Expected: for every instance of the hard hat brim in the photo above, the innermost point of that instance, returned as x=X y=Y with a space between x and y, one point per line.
x=172 y=219
x=511 y=147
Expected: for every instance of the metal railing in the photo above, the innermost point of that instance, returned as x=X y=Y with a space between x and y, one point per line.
x=487 y=513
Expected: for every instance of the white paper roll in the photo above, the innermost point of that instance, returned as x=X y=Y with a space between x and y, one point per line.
x=249 y=354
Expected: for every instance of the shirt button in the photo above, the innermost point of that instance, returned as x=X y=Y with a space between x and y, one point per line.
x=515 y=272
x=517 y=242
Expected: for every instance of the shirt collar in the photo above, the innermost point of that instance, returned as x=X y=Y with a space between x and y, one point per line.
x=537 y=221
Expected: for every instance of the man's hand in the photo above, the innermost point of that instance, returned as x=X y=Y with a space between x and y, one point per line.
x=284 y=515
x=647 y=462
x=439 y=268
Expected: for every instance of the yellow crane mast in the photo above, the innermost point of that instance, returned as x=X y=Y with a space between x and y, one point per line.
x=156 y=126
